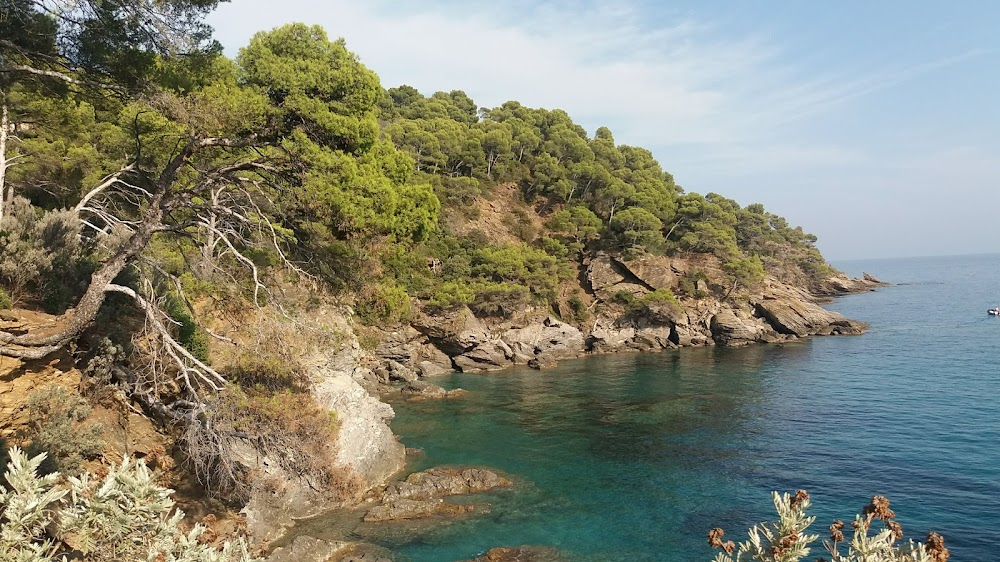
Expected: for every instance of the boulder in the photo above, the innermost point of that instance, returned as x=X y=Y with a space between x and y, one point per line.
x=610 y=338
x=790 y=311
x=490 y=356
x=420 y=495
x=733 y=327
x=602 y=273
x=428 y=360
x=440 y=482
x=539 y=363
x=424 y=389
x=307 y=549
x=549 y=340
x=653 y=271
x=400 y=372
x=871 y=279
x=398 y=345
x=430 y=368
x=455 y=333
x=651 y=338
x=521 y=554
x=402 y=508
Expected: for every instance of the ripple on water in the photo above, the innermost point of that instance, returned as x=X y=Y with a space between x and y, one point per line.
x=635 y=457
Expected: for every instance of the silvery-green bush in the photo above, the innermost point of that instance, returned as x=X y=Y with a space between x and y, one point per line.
x=125 y=515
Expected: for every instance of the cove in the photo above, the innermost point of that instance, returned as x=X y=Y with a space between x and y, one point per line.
x=635 y=457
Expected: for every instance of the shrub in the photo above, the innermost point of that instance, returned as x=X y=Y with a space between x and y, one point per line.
x=694 y=284
x=578 y=308
x=623 y=297
x=268 y=373
x=189 y=333
x=785 y=540
x=125 y=515
x=452 y=295
x=499 y=299
x=40 y=254
x=5 y=301
x=288 y=427
x=745 y=272
x=55 y=428
x=659 y=306
x=382 y=303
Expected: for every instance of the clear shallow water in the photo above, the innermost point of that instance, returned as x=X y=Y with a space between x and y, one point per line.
x=635 y=457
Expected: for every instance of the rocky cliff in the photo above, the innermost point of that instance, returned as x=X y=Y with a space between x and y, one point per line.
x=707 y=312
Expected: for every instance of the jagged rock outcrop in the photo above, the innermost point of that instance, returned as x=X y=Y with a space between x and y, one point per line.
x=421 y=493
x=841 y=284
x=455 y=333
x=414 y=350
x=791 y=311
x=307 y=549
x=400 y=509
x=733 y=327
x=445 y=481
x=546 y=341
x=607 y=277
x=709 y=315
x=654 y=272
x=365 y=443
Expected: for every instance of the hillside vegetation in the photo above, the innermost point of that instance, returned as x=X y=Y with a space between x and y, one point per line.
x=153 y=190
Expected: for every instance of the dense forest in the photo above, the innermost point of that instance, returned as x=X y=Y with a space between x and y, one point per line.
x=146 y=178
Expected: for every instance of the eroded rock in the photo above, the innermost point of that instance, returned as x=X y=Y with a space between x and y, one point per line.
x=521 y=554
x=307 y=549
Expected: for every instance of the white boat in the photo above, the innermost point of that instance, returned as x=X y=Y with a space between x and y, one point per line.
x=994 y=311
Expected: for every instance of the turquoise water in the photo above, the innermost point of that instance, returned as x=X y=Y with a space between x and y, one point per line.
x=635 y=457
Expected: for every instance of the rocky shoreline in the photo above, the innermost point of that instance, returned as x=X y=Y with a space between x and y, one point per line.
x=355 y=383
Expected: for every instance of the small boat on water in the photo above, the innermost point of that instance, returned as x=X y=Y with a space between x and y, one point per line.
x=994 y=311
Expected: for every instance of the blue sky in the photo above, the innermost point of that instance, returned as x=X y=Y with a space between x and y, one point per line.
x=874 y=125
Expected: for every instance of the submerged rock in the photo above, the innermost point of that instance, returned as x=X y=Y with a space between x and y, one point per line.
x=420 y=495
x=400 y=509
x=521 y=554
x=444 y=481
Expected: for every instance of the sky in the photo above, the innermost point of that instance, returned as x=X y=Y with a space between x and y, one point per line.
x=873 y=125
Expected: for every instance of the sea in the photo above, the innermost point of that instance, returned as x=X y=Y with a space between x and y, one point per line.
x=636 y=456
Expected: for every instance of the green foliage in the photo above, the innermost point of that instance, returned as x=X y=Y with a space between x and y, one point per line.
x=382 y=303
x=5 y=300
x=745 y=272
x=623 y=297
x=786 y=540
x=499 y=299
x=125 y=515
x=636 y=227
x=41 y=255
x=57 y=428
x=189 y=334
x=694 y=284
x=578 y=309
x=451 y=295
x=659 y=302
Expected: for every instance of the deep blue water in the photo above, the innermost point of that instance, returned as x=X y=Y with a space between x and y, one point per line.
x=635 y=457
